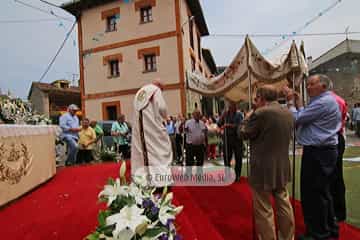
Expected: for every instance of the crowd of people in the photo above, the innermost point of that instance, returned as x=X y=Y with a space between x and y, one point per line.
x=269 y=127
x=162 y=141
x=81 y=141
x=355 y=119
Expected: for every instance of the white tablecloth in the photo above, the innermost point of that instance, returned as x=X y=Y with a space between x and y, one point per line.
x=27 y=158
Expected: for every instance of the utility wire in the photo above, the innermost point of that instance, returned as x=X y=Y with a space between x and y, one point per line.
x=49 y=3
x=28 y=20
x=308 y=23
x=42 y=10
x=58 y=52
x=270 y=35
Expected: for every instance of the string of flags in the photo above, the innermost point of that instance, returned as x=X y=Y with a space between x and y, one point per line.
x=285 y=38
x=99 y=35
x=61 y=25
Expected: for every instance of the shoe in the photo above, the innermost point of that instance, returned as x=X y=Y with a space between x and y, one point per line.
x=68 y=164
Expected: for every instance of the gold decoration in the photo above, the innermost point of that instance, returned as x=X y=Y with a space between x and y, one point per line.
x=19 y=155
x=14 y=154
x=141 y=96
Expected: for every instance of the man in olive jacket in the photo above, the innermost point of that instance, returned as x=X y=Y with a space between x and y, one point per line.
x=269 y=129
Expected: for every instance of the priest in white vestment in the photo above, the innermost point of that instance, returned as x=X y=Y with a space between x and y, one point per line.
x=150 y=143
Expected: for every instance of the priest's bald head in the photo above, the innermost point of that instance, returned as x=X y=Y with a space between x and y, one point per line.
x=157 y=82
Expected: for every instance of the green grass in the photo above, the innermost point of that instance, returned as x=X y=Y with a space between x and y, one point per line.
x=351 y=152
x=352 y=179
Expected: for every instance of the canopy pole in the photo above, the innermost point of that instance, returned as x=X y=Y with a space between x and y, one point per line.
x=303 y=86
x=250 y=107
x=294 y=152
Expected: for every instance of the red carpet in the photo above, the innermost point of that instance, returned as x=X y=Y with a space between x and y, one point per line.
x=65 y=208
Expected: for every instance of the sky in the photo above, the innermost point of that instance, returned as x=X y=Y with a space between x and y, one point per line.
x=27 y=48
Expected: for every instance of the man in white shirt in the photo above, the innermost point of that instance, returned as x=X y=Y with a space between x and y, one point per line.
x=196 y=135
x=356 y=118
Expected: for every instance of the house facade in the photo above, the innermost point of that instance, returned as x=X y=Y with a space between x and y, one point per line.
x=342 y=65
x=124 y=45
x=52 y=99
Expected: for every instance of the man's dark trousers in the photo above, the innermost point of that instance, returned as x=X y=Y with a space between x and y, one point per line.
x=233 y=145
x=337 y=186
x=179 y=147
x=193 y=151
x=317 y=170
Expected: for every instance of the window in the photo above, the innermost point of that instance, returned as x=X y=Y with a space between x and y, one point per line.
x=111 y=110
x=110 y=17
x=148 y=56
x=114 y=68
x=150 y=63
x=112 y=63
x=191 y=27
x=146 y=14
x=111 y=23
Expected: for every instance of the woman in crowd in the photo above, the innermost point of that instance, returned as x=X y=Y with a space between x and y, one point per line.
x=213 y=139
x=87 y=138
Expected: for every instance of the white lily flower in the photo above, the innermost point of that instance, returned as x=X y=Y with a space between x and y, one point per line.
x=178 y=210
x=112 y=191
x=129 y=218
x=136 y=193
x=125 y=234
x=168 y=198
x=165 y=214
x=140 y=180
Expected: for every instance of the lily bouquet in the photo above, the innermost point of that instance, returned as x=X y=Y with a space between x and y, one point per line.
x=20 y=112
x=134 y=212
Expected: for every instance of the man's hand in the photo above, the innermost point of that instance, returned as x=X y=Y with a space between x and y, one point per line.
x=248 y=114
x=292 y=97
x=298 y=100
x=75 y=130
x=289 y=93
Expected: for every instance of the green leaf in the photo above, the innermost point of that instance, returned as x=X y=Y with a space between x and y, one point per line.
x=102 y=217
x=110 y=181
x=106 y=230
x=93 y=236
x=153 y=232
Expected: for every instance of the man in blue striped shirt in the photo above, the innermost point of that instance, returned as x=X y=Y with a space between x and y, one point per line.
x=69 y=123
x=317 y=127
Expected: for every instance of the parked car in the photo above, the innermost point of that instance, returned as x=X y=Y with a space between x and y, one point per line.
x=107 y=138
